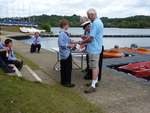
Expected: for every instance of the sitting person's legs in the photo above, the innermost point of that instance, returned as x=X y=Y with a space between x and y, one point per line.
x=5 y=67
x=33 y=48
x=39 y=47
x=17 y=63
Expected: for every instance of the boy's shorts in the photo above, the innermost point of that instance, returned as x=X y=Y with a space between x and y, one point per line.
x=93 y=61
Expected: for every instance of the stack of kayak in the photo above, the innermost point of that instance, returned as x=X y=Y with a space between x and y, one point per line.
x=140 y=70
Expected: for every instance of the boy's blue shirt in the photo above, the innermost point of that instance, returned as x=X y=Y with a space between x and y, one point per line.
x=36 y=40
x=11 y=55
x=63 y=42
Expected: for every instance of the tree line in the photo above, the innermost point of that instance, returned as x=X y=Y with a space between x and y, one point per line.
x=48 y=21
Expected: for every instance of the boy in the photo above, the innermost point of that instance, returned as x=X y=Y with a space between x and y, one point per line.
x=36 y=44
x=86 y=27
x=11 y=58
x=3 y=56
x=65 y=46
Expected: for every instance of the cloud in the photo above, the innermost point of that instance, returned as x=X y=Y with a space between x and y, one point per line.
x=107 y=8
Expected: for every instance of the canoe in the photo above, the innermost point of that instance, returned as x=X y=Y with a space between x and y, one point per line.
x=112 y=54
x=141 y=69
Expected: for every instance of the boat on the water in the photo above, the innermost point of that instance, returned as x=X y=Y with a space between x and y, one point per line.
x=113 y=54
x=30 y=30
x=140 y=70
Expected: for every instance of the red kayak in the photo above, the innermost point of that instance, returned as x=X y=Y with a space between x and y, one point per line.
x=141 y=69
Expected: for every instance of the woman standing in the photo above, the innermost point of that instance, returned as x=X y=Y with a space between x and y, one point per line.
x=65 y=45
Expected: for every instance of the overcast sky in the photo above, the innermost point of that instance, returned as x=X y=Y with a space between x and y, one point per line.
x=105 y=8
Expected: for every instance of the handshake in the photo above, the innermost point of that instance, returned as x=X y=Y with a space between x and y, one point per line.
x=79 y=45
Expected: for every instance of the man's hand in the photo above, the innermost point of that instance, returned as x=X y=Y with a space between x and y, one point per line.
x=88 y=39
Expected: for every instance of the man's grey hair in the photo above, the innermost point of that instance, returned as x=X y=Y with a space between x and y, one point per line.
x=91 y=11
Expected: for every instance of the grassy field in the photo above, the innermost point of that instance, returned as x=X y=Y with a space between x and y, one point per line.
x=21 y=96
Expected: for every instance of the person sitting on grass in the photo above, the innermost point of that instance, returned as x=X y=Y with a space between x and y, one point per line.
x=36 y=43
x=3 y=56
x=11 y=58
x=65 y=45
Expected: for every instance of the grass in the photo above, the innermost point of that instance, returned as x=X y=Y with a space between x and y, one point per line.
x=10 y=28
x=27 y=61
x=21 y=96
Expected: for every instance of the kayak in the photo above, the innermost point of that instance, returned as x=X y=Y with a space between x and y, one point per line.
x=143 y=51
x=112 y=54
x=131 y=50
x=141 y=69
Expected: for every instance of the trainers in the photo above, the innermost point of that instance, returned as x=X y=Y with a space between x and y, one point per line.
x=90 y=90
x=89 y=84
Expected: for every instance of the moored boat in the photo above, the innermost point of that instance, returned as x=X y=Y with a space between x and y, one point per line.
x=112 y=54
x=30 y=30
x=134 y=50
x=143 y=51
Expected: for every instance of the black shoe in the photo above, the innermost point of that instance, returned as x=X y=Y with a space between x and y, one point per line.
x=69 y=85
x=89 y=84
x=90 y=90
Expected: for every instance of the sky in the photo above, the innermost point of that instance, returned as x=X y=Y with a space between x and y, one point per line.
x=105 y=8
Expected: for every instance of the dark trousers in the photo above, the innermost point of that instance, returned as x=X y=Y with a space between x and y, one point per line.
x=3 y=65
x=34 y=47
x=89 y=71
x=18 y=64
x=66 y=70
x=100 y=64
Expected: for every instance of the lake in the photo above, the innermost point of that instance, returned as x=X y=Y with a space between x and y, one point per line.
x=50 y=42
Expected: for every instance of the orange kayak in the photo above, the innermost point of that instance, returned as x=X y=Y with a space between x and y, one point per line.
x=112 y=54
x=143 y=51
x=130 y=50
